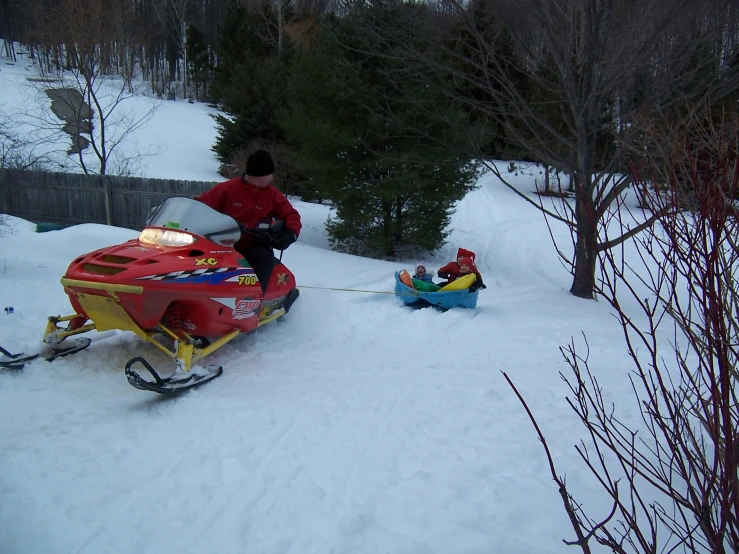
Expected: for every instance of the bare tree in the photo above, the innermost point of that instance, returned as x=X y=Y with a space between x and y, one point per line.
x=83 y=34
x=551 y=73
x=172 y=14
x=8 y=28
x=16 y=152
x=672 y=478
x=283 y=19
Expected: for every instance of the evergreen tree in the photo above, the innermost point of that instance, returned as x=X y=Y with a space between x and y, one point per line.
x=198 y=62
x=231 y=47
x=250 y=82
x=382 y=150
x=251 y=102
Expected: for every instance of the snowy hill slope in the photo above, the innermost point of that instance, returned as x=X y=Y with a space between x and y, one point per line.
x=355 y=426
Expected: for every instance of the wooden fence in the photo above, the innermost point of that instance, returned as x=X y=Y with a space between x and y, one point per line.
x=70 y=198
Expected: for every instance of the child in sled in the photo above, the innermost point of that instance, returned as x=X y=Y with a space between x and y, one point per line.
x=463 y=266
x=422 y=275
x=452 y=268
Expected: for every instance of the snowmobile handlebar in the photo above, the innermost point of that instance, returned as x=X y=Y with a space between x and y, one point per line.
x=267 y=232
x=265 y=228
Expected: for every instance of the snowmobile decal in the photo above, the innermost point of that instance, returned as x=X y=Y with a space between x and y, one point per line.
x=205 y=261
x=211 y=276
x=246 y=308
x=244 y=277
x=230 y=303
x=282 y=278
x=249 y=280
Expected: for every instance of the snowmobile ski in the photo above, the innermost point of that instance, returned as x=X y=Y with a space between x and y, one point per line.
x=18 y=361
x=14 y=361
x=169 y=385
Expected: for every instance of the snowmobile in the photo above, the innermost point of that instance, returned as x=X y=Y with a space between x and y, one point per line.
x=180 y=285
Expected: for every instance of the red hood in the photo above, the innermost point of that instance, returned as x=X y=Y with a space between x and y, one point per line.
x=464 y=253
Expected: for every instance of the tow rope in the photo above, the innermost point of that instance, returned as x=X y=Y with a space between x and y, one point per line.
x=351 y=290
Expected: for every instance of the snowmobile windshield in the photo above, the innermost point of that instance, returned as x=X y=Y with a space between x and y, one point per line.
x=185 y=214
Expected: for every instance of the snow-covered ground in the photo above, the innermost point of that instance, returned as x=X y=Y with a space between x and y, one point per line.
x=356 y=425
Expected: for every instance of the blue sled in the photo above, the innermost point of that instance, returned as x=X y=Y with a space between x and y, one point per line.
x=446 y=300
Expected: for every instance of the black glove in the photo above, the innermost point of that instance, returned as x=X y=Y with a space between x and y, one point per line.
x=481 y=286
x=285 y=239
x=264 y=239
x=443 y=275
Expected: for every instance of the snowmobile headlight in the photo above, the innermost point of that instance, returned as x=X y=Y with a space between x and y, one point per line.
x=165 y=238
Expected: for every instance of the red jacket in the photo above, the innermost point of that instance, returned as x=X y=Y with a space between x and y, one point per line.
x=249 y=204
x=452 y=269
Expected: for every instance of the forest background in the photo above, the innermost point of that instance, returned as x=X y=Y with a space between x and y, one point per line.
x=388 y=109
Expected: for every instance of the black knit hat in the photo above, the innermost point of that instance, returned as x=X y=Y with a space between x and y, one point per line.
x=260 y=164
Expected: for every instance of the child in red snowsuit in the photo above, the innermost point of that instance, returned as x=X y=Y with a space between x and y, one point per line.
x=465 y=264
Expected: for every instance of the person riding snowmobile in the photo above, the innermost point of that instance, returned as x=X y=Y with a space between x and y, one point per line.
x=250 y=199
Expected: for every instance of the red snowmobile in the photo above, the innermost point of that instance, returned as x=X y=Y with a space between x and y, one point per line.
x=182 y=279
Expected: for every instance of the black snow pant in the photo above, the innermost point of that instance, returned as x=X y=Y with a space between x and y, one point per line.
x=262 y=260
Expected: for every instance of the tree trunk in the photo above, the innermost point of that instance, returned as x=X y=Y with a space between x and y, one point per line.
x=586 y=241
x=387 y=228
x=398 y=218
